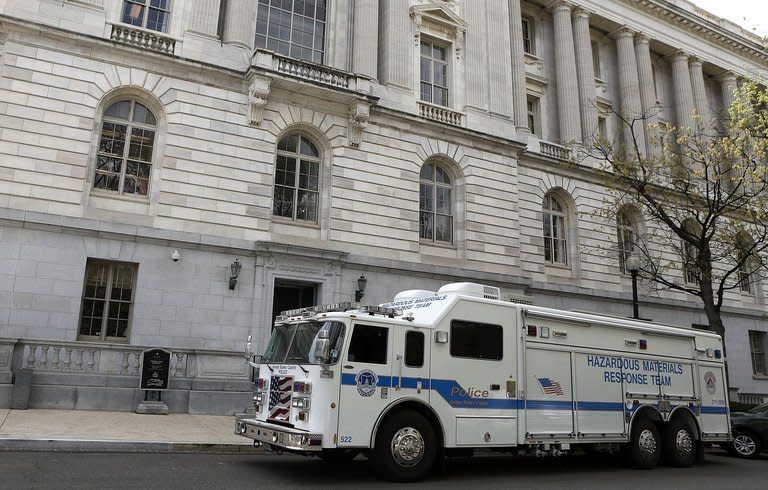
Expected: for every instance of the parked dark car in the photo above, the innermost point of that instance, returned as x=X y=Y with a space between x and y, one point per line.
x=750 y=432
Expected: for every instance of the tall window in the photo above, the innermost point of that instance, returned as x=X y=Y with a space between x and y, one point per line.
x=107 y=300
x=150 y=14
x=532 y=105
x=529 y=45
x=555 y=231
x=627 y=236
x=690 y=254
x=124 y=158
x=757 y=342
x=435 y=204
x=596 y=59
x=292 y=28
x=434 y=73
x=297 y=176
x=745 y=285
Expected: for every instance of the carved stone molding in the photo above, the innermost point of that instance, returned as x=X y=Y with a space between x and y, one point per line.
x=358 y=120
x=258 y=94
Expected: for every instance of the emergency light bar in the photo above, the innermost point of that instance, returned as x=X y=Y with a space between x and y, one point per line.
x=381 y=310
x=309 y=311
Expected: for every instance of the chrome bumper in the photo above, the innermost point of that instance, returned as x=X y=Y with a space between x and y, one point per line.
x=281 y=437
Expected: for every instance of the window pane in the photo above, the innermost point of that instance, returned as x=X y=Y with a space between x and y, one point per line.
x=106 y=181
x=548 y=250
x=426 y=225
x=133 y=12
x=119 y=110
x=306 y=208
x=438 y=53
x=426 y=202
x=476 y=340
x=443 y=200
x=142 y=141
x=441 y=175
x=307 y=148
x=289 y=143
x=414 y=349
x=112 y=138
x=283 y=203
x=308 y=175
x=427 y=171
x=441 y=74
x=443 y=228
x=426 y=92
x=368 y=344
x=425 y=70
x=142 y=115
x=286 y=171
x=440 y=96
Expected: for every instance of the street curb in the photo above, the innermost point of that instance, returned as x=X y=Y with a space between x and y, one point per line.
x=72 y=445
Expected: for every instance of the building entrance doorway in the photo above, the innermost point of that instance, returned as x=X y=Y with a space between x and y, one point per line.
x=291 y=294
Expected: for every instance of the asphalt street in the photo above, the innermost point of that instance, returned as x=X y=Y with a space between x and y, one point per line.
x=63 y=470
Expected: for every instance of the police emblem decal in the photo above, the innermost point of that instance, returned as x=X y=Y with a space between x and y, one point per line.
x=366 y=381
x=711 y=381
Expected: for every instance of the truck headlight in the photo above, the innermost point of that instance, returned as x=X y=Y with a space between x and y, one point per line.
x=301 y=403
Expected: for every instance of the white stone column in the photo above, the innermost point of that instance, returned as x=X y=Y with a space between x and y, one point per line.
x=629 y=88
x=681 y=81
x=204 y=17
x=585 y=72
x=647 y=89
x=519 y=92
x=700 y=93
x=240 y=23
x=728 y=86
x=365 y=44
x=565 y=74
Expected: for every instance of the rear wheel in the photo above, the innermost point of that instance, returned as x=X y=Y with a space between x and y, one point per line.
x=678 y=444
x=406 y=447
x=644 y=449
x=746 y=444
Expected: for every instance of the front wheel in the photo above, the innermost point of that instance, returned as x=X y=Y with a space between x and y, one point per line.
x=405 y=448
x=644 y=449
x=746 y=445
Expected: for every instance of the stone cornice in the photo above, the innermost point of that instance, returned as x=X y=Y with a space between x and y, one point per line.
x=701 y=26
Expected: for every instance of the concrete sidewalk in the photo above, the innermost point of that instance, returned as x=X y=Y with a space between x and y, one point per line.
x=82 y=430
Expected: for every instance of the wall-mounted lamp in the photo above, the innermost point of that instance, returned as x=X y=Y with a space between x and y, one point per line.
x=234 y=272
x=175 y=256
x=361 y=283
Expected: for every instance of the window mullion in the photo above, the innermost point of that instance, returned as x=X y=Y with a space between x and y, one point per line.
x=107 y=297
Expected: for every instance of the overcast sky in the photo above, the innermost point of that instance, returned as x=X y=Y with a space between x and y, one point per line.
x=751 y=14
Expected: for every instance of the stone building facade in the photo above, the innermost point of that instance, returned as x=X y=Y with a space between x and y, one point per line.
x=148 y=145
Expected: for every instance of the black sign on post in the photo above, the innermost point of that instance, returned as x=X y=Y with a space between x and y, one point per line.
x=155 y=369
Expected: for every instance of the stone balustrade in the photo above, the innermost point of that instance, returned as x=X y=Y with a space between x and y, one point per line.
x=440 y=114
x=555 y=151
x=142 y=38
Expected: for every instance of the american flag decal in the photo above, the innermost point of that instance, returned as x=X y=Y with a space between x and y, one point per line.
x=280 y=389
x=550 y=387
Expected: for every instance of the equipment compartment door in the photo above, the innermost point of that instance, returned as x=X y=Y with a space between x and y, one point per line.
x=599 y=396
x=714 y=400
x=549 y=393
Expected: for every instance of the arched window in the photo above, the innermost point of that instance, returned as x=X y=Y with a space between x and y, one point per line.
x=555 y=230
x=435 y=204
x=743 y=243
x=124 y=158
x=297 y=172
x=626 y=227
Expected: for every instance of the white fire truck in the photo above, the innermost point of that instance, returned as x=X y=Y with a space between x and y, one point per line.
x=434 y=374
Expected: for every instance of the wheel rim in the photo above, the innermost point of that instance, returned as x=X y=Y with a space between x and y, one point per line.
x=744 y=445
x=684 y=443
x=647 y=442
x=407 y=446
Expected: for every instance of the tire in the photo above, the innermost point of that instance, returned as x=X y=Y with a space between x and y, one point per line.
x=745 y=444
x=678 y=444
x=406 y=447
x=644 y=448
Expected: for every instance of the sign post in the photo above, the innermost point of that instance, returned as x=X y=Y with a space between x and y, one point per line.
x=154 y=374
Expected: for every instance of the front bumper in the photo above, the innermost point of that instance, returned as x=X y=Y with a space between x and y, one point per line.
x=277 y=436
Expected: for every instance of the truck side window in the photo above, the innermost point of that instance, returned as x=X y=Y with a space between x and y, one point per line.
x=414 y=349
x=476 y=340
x=368 y=344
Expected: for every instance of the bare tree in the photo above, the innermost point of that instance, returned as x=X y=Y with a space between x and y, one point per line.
x=703 y=192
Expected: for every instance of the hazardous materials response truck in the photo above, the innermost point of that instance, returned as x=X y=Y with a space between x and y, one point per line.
x=433 y=374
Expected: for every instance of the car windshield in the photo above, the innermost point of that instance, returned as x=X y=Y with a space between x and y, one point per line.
x=759 y=409
x=295 y=342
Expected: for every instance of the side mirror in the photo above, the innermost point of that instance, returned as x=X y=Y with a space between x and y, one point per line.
x=322 y=347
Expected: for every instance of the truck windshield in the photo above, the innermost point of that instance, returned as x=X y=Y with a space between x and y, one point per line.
x=295 y=342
